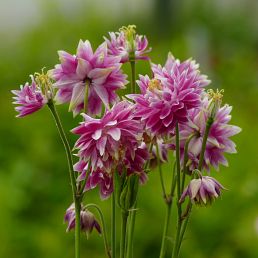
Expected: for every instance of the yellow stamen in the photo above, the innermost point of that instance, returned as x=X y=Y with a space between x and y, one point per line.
x=129 y=31
x=43 y=81
x=154 y=84
x=215 y=95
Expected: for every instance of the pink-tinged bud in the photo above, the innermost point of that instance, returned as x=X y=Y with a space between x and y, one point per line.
x=202 y=191
x=88 y=220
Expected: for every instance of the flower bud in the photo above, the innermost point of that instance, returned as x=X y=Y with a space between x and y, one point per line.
x=202 y=191
x=127 y=191
x=87 y=219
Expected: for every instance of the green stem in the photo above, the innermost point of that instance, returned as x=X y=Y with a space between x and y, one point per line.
x=169 y=204
x=204 y=141
x=71 y=174
x=200 y=164
x=113 y=225
x=132 y=62
x=179 y=208
x=184 y=226
x=161 y=174
x=132 y=217
x=123 y=234
x=185 y=160
x=77 y=226
x=107 y=249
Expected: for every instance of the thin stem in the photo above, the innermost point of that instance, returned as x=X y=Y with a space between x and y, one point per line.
x=132 y=217
x=71 y=174
x=185 y=160
x=107 y=249
x=204 y=141
x=77 y=226
x=86 y=96
x=132 y=62
x=179 y=208
x=123 y=234
x=184 y=226
x=167 y=217
x=161 y=174
x=65 y=143
x=200 y=164
x=113 y=225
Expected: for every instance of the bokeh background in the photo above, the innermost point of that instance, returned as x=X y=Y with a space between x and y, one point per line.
x=34 y=190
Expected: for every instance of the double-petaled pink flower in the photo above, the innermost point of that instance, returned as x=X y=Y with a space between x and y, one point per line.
x=88 y=78
x=126 y=43
x=106 y=141
x=169 y=95
x=29 y=99
x=218 y=142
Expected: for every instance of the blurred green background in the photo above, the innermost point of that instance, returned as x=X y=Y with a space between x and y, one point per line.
x=34 y=190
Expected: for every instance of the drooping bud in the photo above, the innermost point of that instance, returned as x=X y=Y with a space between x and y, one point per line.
x=202 y=191
x=87 y=219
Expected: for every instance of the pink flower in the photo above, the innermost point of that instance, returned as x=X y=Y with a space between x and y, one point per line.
x=96 y=178
x=98 y=70
x=88 y=220
x=105 y=141
x=29 y=98
x=202 y=191
x=120 y=45
x=218 y=141
x=166 y=99
x=104 y=180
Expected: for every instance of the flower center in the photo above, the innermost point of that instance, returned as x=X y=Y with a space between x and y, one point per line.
x=154 y=84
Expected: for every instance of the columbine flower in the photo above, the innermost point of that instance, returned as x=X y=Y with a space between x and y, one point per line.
x=166 y=99
x=104 y=180
x=127 y=43
x=218 y=141
x=105 y=141
x=98 y=72
x=202 y=191
x=29 y=98
x=88 y=220
x=95 y=178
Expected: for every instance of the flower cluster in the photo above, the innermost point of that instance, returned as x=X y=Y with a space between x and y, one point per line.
x=121 y=140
